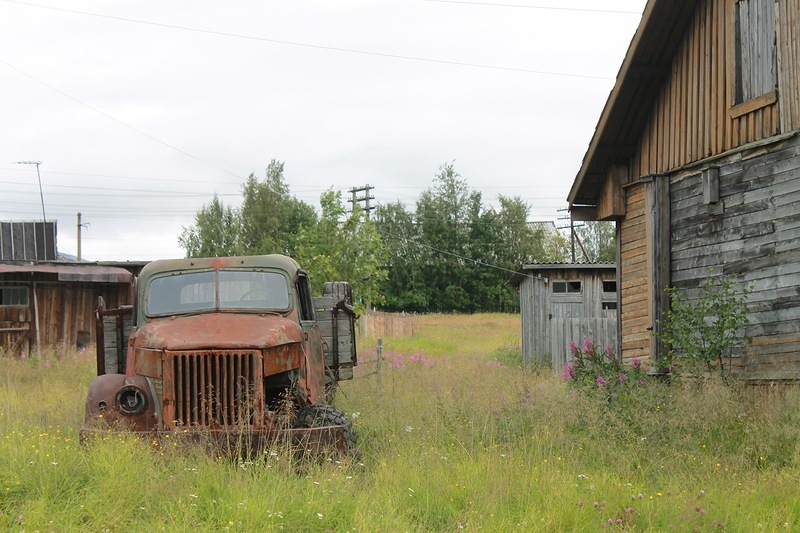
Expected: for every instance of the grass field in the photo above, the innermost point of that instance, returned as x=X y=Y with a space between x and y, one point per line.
x=455 y=437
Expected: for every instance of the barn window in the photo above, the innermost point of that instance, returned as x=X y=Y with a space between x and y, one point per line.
x=755 y=72
x=566 y=287
x=609 y=306
x=17 y=296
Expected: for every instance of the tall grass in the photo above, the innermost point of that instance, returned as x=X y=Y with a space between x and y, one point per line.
x=457 y=437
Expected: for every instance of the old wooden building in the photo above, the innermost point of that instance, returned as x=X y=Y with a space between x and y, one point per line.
x=48 y=302
x=697 y=157
x=564 y=303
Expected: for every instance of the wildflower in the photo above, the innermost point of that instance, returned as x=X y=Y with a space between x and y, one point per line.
x=573 y=347
x=601 y=380
x=47 y=363
x=610 y=350
x=623 y=378
x=569 y=372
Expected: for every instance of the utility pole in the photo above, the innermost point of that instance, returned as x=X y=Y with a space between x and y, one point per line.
x=366 y=198
x=80 y=225
x=38 y=175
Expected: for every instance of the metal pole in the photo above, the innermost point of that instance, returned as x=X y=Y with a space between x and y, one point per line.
x=39 y=176
x=79 y=236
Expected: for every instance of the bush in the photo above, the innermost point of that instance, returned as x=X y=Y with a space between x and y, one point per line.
x=700 y=331
x=592 y=367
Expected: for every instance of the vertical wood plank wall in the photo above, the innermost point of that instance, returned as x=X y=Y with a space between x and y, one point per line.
x=66 y=313
x=691 y=119
x=550 y=322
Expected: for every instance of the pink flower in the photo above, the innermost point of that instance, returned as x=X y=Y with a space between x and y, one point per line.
x=636 y=363
x=610 y=350
x=569 y=372
x=623 y=378
x=601 y=380
x=573 y=347
x=47 y=363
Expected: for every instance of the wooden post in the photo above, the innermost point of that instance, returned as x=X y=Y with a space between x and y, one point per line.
x=379 y=360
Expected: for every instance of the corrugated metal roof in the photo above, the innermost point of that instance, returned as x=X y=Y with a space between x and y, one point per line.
x=67 y=272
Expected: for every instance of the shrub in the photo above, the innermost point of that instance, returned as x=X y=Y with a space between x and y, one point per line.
x=592 y=367
x=700 y=331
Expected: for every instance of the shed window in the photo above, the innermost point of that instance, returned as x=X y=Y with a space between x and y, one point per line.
x=755 y=50
x=609 y=285
x=14 y=296
x=566 y=287
x=609 y=306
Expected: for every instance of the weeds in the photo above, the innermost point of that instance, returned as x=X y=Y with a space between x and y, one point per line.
x=473 y=442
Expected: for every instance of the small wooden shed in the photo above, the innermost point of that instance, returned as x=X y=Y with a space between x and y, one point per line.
x=53 y=304
x=564 y=303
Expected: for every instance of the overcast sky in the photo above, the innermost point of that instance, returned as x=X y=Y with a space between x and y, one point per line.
x=141 y=110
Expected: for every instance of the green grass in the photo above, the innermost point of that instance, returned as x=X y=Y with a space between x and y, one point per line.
x=456 y=437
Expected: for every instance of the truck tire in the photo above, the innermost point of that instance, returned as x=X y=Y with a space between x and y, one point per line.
x=314 y=416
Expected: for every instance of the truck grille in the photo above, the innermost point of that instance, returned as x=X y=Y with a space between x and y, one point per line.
x=213 y=389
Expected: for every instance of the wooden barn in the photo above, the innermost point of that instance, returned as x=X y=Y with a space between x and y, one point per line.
x=696 y=156
x=46 y=302
x=564 y=303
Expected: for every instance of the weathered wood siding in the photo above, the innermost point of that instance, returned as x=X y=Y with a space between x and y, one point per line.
x=635 y=308
x=695 y=115
x=550 y=322
x=754 y=236
x=66 y=313
x=696 y=119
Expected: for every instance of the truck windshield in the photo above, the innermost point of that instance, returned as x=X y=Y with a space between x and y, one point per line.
x=212 y=290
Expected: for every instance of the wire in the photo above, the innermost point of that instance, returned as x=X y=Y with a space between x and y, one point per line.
x=577 y=9
x=316 y=46
x=118 y=121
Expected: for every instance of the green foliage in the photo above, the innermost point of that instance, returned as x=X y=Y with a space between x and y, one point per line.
x=706 y=325
x=271 y=218
x=343 y=248
x=216 y=232
x=454 y=254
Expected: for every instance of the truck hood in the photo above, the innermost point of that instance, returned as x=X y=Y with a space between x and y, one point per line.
x=218 y=331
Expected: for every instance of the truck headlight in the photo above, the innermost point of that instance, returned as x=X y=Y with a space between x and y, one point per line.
x=131 y=400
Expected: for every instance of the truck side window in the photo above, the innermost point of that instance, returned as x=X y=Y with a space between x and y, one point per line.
x=304 y=294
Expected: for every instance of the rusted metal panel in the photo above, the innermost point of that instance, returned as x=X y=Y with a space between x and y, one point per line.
x=282 y=359
x=219 y=331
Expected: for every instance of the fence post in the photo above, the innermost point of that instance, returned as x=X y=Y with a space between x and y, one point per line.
x=379 y=360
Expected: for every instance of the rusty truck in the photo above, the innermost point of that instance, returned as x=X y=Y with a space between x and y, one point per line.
x=235 y=351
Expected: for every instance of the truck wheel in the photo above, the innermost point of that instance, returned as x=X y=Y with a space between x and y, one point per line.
x=314 y=416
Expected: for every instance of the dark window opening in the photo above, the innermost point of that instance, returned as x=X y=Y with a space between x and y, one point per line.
x=17 y=296
x=306 y=299
x=568 y=287
x=609 y=285
x=609 y=306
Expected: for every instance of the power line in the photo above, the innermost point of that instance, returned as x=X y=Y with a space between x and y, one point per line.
x=118 y=121
x=314 y=46
x=549 y=8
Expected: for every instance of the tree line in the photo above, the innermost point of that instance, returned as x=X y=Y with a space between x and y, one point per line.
x=451 y=253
